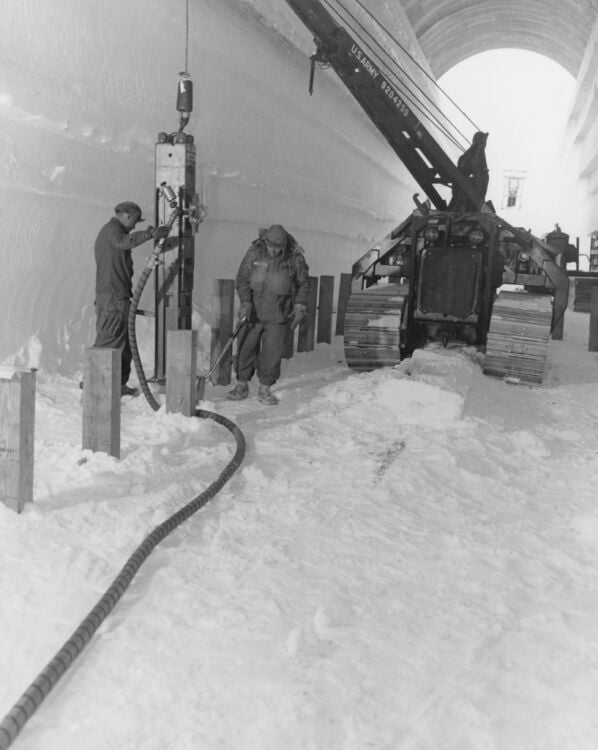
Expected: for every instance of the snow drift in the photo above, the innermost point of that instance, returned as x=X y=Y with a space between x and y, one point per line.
x=406 y=559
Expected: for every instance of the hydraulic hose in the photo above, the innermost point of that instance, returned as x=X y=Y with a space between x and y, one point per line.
x=29 y=702
x=150 y=264
x=145 y=274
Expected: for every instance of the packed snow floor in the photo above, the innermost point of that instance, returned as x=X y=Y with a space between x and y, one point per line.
x=406 y=560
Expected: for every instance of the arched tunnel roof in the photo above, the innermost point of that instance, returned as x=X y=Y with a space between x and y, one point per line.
x=450 y=31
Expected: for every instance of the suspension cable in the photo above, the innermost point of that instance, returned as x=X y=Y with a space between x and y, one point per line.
x=410 y=96
x=185 y=72
x=407 y=93
x=415 y=62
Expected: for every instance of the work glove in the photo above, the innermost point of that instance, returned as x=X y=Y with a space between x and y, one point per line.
x=299 y=313
x=149 y=233
x=245 y=310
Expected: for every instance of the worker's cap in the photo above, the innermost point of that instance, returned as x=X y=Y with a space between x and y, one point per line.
x=128 y=207
x=276 y=235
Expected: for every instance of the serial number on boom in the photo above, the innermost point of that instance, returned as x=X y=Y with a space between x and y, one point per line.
x=394 y=97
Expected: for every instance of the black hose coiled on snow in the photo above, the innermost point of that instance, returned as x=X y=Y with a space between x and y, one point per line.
x=29 y=702
x=32 y=698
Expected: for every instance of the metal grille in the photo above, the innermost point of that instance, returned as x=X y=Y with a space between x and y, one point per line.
x=449 y=281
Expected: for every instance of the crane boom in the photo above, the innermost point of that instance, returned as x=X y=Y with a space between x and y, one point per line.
x=386 y=107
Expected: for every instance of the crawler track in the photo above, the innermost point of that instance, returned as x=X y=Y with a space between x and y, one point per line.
x=518 y=337
x=372 y=325
x=516 y=346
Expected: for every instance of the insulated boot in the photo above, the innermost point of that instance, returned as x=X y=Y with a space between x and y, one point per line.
x=265 y=395
x=126 y=390
x=239 y=392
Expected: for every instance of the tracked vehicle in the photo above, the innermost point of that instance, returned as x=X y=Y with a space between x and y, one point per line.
x=435 y=276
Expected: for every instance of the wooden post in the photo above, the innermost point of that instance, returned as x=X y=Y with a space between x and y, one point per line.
x=181 y=372
x=559 y=308
x=593 y=339
x=223 y=304
x=305 y=339
x=583 y=293
x=101 y=400
x=17 y=423
x=344 y=293
x=324 y=334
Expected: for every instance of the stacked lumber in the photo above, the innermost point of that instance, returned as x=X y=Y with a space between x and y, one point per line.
x=372 y=327
x=518 y=337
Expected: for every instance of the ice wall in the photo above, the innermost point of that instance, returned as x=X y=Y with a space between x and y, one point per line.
x=84 y=90
x=580 y=181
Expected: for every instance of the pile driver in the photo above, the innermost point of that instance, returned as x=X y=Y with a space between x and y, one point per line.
x=178 y=208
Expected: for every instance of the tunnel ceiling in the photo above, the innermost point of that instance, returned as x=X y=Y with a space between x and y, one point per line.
x=450 y=31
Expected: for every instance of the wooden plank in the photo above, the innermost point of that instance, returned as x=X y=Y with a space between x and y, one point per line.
x=518 y=337
x=504 y=370
x=223 y=304
x=593 y=334
x=373 y=352
x=532 y=316
x=526 y=360
x=519 y=347
x=362 y=338
x=27 y=431
x=378 y=309
x=306 y=336
x=525 y=377
x=324 y=334
x=101 y=400
x=181 y=372
x=389 y=320
x=518 y=360
x=17 y=425
x=344 y=293
x=514 y=328
x=515 y=364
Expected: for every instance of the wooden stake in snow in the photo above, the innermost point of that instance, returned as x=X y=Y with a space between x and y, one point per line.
x=17 y=421
x=223 y=302
x=181 y=372
x=325 y=303
x=101 y=400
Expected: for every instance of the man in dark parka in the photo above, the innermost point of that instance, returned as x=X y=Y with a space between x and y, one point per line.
x=273 y=287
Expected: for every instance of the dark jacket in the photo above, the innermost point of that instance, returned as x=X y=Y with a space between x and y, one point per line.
x=273 y=283
x=114 y=265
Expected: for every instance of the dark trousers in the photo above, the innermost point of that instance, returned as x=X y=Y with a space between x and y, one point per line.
x=112 y=331
x=261 y=347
